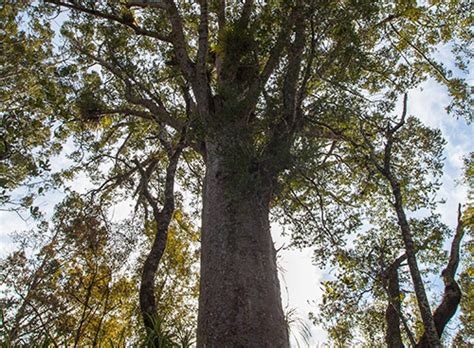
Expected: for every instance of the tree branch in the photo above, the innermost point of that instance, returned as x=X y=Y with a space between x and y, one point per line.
x=452 y=292
x=158 y=110
x=246 y=12
x=274 y=58
x=111 y=17
x=162 y=220
x=202 y=83
x=179 y=42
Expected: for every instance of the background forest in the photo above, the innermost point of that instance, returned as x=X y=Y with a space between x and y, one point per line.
x=147 y=148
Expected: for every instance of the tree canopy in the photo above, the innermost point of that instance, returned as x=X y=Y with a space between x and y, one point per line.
x=222 y=115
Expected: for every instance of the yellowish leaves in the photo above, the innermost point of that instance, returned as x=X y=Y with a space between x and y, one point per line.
x=413 y=13
x=106 y=121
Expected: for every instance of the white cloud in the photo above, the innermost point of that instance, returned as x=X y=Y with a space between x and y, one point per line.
x=428 y=104
x=300 y=283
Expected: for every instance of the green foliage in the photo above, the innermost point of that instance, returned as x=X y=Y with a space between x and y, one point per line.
x=160 y=337
x=178 y=284
x=81 y=287
x=465 y=335
x=70 y=289
x=29 y=96
x=358 y=291
x=298 y=328
x=308 y=134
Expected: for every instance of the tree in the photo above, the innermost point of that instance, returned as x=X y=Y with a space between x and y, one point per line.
x=80 y=288
x=74 y=291
x=245 y=87
x=27 y=95
x=371 y=286
x=465 y=335
x=370 y=274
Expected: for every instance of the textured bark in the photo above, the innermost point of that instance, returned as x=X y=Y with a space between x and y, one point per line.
x=393 y=336
x=452 y=292
x=422 y=299
x=147 y=286
x=240 y=302
x=162 y=219
x=386 y=170
x=445 y=311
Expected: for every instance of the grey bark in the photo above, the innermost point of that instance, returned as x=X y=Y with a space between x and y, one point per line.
x=422 y=299
x=240 y=302
x=452 y=292
x=393 y=336
x=162 y=219
x=386 y=170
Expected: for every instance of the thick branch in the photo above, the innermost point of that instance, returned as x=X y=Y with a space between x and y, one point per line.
x=390 y=133
x=221 y=16
x=386 y=171
x=393 y=313
x=452 y=292
x=179 y=42
x=203 y=46
x=176 y=38
x=290 y=85
x=202 y=84
x=418 y=284
x=393 y=336
x=308 y=68
x=246 y=12
x=162 y=219
x=280 y=140
x=272 y=62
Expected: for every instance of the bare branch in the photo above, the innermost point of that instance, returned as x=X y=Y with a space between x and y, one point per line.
x=450 y=270
x=138 y=30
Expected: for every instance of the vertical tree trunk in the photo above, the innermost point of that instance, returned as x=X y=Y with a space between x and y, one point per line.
x=422 y=298
x=147 y=285
x=240 y=302
x=444 y=312
x=386 y=170
x=162 y=219
x=393 y=336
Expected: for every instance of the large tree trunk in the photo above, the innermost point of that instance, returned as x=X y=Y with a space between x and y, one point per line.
x=240 y=302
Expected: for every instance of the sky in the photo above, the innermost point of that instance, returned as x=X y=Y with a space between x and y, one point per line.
x=428 y=104
x=300 y=280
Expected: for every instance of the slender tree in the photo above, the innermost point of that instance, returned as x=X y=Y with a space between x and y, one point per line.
x=402 y=155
